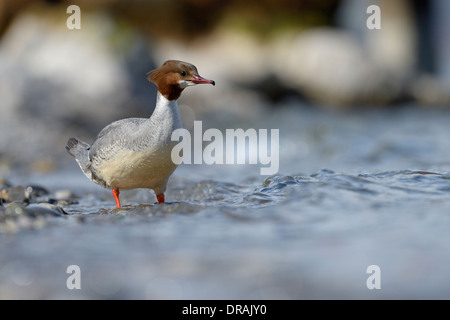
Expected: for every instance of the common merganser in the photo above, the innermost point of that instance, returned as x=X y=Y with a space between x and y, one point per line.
x=136 y=152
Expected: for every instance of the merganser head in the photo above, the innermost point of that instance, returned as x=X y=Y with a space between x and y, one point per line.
x=173 y=76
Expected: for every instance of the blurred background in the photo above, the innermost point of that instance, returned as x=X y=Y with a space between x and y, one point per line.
x=263 y=54
x=363 y=117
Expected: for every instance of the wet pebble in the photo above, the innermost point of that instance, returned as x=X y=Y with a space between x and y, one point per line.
x=16 y=193
x=35 y=191
x=35 y=194
x=55 y=201
x=64 y=194
x=65 y=197
x=15 y=209
x=30 y=207
x=47 y=208
x=16 y=216
x=59 y=198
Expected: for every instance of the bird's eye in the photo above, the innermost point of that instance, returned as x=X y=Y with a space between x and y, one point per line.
x=183 y=73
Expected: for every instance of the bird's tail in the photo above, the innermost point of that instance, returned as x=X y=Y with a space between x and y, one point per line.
x=80 y=151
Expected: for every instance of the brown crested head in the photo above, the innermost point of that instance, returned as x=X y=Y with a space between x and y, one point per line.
x=173 y=76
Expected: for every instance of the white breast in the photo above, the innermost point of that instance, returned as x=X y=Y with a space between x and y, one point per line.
x=140 y=159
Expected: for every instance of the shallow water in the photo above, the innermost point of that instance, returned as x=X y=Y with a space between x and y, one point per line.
x=354 y=190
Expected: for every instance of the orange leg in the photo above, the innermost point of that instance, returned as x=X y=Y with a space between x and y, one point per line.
x=116 y=196
x=160 y=198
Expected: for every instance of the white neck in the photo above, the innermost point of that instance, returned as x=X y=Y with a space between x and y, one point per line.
x=166 y=117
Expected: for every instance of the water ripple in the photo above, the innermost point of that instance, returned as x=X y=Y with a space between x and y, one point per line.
x=318 y=189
